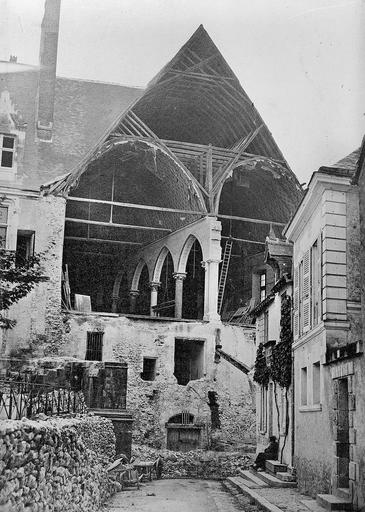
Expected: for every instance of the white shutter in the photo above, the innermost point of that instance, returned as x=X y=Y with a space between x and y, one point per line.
x=306 y=292
x=296 y=303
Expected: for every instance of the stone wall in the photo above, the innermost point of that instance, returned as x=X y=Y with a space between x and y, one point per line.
x=152 y=403
x=55 y=464
x=39 y=326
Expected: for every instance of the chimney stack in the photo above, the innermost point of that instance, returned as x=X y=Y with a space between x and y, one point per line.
x=48 y=66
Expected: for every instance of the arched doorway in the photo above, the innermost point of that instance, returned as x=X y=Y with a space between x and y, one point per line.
x=182 y=434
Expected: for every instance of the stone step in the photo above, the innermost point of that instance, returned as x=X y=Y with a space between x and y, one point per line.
x=343 y=492
x=332 y=502
x=313 y=506
x=274 y=466
x=271 y=480
x=251 y=478
x=240 y=484
x=285 y=477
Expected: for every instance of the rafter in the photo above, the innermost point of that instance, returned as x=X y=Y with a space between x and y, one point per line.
x=222 y=175
x=114 y=225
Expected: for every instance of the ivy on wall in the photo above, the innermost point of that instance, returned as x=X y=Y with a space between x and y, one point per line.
x=279 y=370
x=262 y=371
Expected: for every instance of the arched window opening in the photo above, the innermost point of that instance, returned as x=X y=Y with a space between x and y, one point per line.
x=184 y=418
x=193 y=294
x=144 y=297
x=166 y=293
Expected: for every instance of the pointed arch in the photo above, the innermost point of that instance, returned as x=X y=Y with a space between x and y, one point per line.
x=118 y=280
x=137 y=274
x=186 y=251
x=159 y=263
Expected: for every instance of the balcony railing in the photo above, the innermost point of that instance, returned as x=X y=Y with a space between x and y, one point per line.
x=20 y=399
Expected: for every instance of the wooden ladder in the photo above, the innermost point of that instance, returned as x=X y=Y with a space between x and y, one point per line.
x=224 y=272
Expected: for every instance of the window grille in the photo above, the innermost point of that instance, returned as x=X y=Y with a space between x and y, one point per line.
x=94 y=346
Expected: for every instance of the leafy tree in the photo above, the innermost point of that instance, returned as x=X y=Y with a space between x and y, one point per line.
x=18 y=277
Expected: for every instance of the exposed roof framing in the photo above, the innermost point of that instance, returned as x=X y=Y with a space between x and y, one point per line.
x=196 y=122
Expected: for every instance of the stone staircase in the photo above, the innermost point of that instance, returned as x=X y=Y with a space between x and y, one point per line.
x=339 y=501
x=257 y=485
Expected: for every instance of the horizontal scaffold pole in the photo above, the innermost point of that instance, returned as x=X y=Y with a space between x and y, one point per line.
x=114 y=225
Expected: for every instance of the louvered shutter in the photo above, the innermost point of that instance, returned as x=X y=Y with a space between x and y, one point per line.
x=296 y=303
x=306 y=292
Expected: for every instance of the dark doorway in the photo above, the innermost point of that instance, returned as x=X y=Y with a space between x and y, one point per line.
x=343 y=447
x=189 y=360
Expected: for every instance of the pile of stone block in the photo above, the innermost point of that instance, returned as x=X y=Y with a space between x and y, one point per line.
x=55 y=464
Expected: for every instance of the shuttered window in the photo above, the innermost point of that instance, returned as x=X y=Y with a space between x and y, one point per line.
x=307 y=291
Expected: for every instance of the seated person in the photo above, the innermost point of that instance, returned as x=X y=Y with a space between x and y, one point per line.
x=270 y=453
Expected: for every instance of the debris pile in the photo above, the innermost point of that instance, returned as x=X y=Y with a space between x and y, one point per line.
x=196 y=463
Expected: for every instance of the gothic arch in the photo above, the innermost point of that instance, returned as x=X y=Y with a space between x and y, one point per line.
x=186 y=251
x=137 y=274
x=159 y=263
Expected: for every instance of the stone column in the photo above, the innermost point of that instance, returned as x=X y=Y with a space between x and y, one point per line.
x=211 y=268
x=154 y=285
x=133 y=296
x=115 y=303
x=179 y=285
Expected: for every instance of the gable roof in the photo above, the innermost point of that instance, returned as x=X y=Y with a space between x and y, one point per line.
x=84 y=110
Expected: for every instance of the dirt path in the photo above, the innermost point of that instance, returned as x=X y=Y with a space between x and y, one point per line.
x=175 y=496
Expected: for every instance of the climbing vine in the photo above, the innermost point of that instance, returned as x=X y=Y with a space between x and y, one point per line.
x=280 y=368
x=262 y=371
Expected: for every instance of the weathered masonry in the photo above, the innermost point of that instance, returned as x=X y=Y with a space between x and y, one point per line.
x=148 y=208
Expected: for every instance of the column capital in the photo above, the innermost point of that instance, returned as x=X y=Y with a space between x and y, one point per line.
x=154 y=285
x=179 y=276
x=134 y=293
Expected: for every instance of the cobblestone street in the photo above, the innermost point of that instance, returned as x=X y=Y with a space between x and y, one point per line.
x=176 y=496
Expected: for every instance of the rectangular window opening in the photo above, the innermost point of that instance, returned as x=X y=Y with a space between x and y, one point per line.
x=149 y=368
x=303 y=386
x=94 y=346
x=263 y=409
x=189 y=360
x=316 y=381
x=266 y=326
x=24 y=246
x=7 y=147
x=262 y=286
x=3 y=226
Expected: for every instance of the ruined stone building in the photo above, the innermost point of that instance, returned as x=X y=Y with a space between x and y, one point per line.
x=150 y=209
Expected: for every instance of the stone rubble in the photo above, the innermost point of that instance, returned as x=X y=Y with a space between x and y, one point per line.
x=196 y=463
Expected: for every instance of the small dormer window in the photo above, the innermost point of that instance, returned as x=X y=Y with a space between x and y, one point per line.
x=7 y=146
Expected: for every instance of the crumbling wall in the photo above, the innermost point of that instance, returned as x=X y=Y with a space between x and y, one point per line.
x=152 y=403
x=56 y=464
x=39 y=328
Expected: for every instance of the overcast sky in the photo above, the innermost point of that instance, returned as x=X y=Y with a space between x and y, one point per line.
x=300 y=61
